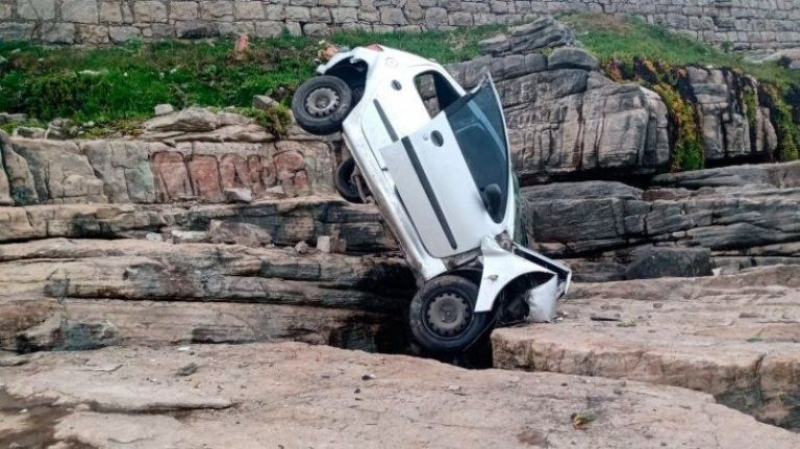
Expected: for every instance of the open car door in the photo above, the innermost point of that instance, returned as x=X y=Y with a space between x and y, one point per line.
x=453 y=174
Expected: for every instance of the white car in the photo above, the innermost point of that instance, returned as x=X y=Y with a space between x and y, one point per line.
x=436 y=161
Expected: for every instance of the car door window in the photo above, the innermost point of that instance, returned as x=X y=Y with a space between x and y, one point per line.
x=477 y=123
x=435 y=91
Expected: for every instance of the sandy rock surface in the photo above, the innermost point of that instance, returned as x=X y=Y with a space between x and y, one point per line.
x=292 y=395
x=731 y=336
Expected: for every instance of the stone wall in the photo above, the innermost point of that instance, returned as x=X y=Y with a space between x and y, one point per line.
x=748 y=24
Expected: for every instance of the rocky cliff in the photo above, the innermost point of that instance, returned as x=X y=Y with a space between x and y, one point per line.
x=98 y=226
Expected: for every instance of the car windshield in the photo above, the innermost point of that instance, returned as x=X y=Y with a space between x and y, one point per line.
x=477 y=122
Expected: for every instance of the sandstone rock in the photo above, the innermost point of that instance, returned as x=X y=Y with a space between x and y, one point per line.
x=556 y=124
x=164 y=109
x=124 y=168
x=287 y=221
x=736 y=212
x=172 y=177
x=86 y=283
x=545 y=32
x=205 y=177
x=60 y=173
x=582 y=191
x=21 y=184
x=760 y=176
x=154 y=237
x=238 y=234
x=30 y=132
x=626 y=413
x=187 y=120
x=302 y=247
x=495 y=45
x=648 y=263
x=730 y=336
x=572 y=58
x=263 y=102
x=725 y=128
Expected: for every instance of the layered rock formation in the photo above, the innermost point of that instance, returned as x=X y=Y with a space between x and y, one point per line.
x=190 y=155
x=737 y=216
x=566 y=118
x=77 y=294
x=200 y=206
x=729 y=130
x=734 y=337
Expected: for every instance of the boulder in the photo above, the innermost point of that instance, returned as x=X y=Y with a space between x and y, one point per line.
x=656 y=262
x=542 y=33
x=264 y=102
x=188 y=120
x=572 y=58
x=164 y=109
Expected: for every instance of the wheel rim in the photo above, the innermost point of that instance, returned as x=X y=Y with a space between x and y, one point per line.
x=322 y=102
x=448 y=315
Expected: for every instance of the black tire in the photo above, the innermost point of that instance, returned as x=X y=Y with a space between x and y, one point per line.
x=321 y=104
x=436 y=302
x=344 y=182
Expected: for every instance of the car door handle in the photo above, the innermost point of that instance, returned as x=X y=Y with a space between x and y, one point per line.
x=437 y=139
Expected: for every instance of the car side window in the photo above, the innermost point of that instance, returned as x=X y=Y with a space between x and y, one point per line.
x=435 y=91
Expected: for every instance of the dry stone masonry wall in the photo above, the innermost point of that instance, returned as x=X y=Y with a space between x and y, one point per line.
x=747 y=24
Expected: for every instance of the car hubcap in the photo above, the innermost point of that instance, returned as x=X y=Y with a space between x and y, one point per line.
x=448 y=314
x=322 y=102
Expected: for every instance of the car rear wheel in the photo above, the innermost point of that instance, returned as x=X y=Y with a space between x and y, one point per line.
x=321 y=104
x=443 y=318
x=345 y=183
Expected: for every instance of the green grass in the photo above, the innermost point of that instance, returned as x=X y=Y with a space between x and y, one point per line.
x=123 y=83
x=622 y=39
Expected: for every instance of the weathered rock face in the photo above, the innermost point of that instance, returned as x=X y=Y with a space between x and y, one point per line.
x=190 y=155
x=567 y=120
x=65 y=294
x=244 y=395
x=734 y=337
x=564 y=116
x=726 y=129
x=286 y=221
x=744 y=215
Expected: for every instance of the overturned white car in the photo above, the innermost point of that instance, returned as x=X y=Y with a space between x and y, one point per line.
x=436 y=161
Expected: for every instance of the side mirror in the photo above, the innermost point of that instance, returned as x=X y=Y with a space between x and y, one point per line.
x=492 y=197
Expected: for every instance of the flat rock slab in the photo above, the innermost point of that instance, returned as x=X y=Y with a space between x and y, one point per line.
x=295 y=395
x=734 y=337
x=80 y=294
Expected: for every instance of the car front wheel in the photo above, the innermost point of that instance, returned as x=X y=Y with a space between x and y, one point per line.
x=443 y=318
x=321 y=104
